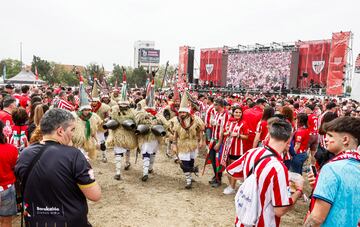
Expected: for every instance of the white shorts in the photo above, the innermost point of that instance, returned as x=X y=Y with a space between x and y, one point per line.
x=150 y=147
x=100 y=137
x=119 y=150
x=188 y=156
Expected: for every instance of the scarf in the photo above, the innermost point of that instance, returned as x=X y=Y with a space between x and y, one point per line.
x=174 y=109
x=229 y=141
x=186 y=123
x=87 y=123
x=151 y=111
x=96 y=108
x=351 y=154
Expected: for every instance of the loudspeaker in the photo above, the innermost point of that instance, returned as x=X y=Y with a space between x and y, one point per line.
x=190 y=68
x=305 y=74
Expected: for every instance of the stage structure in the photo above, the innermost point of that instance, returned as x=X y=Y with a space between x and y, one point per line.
x=269 y=67
x=186 y=67
x=212 y=68
x=313 y=64
x=340 y=64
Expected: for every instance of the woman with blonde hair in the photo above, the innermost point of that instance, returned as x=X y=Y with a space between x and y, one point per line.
x=39 y=111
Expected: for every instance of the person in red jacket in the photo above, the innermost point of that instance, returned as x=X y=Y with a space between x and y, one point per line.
x=252 y=117
x=24 y=100
x=8 y=157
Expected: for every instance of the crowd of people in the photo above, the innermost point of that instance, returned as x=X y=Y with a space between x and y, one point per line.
x=259 y=70
x=50 y=135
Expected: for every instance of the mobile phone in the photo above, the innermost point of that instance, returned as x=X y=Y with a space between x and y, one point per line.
x=313 y=169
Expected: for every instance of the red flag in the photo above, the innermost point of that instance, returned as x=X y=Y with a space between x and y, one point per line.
x=124 y=76
x=36 y=74
x=81 y=80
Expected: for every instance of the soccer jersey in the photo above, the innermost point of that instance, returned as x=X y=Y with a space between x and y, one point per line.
x=273 y=182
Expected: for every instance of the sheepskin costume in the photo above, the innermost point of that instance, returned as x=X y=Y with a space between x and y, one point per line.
x=188 y=133
x=84 y=136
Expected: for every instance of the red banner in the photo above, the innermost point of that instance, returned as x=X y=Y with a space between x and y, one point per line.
x=211 y=66
x=183 y=66
x=335 y=80
x=313 y=63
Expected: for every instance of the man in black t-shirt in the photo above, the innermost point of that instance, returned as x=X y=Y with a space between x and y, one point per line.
x=61 y=180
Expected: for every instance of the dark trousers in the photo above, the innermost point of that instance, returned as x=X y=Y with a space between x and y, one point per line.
x=297 y=163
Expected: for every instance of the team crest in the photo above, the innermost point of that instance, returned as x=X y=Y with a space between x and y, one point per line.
x=318 y=66
x=209 y=68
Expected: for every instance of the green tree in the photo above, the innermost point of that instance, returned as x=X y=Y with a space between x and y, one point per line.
x=160 y=75
x=63 y=76
x=13 y=67
x=137 y=76
x=44 y=68
x=70 y=78
x=93 y=69
x=116 y=74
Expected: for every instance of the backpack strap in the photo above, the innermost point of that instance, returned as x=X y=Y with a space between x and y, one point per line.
x=30 y=167
x=258 y=161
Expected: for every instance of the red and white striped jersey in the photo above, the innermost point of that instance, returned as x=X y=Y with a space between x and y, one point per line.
x=273 y=182
x=262 y=129
x=202 y=109
x=65 y=105
x=210 y=112
x=237 y=148
x=218 y=124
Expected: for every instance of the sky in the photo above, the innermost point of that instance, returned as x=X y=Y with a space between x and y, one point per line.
x=84 y=31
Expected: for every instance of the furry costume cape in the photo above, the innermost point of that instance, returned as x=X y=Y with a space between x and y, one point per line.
x=102 y=112
x=121 y=137
x=112 y=103
x=79 y=139
x=187 y=140
x=116 y=99
x=144 y=118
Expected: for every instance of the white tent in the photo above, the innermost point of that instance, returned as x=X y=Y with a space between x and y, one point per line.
x=24 y=77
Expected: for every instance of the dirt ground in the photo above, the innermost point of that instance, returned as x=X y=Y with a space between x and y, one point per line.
x=163 y=200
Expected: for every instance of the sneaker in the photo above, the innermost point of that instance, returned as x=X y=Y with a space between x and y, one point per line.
x=117 y=177
x=127 y=166
x=145 y=178
x=216 y=184
x=188 y=186
x=229 y=190
x=151 y=171
x=213 y=180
